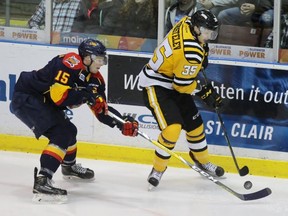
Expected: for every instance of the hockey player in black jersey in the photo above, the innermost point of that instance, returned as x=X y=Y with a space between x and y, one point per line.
x=169 y=79
x=39 y=100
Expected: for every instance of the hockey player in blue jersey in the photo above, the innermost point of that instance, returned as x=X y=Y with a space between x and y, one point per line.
x=40 y=98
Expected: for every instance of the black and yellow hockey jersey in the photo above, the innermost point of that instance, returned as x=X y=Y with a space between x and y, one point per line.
x=176 y=61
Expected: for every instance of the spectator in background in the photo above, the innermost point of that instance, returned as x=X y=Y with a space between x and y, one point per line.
x=88 y=17
x=132 y=18
x=94 y=5
x=215 y=6
x=104 y=20
x=267 y=17
x=178 y=10
x=283 y=28
x=64 y=14
x=246 y=12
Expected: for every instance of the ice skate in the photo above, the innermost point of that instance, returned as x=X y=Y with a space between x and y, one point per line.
x=211 y=169
x=154 y=179
x=44 y=192
x=77 y=172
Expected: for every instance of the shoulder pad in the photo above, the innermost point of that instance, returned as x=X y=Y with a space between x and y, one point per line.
x=73 y=61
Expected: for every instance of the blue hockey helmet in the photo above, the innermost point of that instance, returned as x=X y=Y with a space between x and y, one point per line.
x=90 y=47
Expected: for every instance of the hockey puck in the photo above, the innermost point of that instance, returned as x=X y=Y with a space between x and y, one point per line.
x=248 y=185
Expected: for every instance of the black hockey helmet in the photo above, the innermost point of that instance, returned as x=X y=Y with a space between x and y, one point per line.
x=207 y=24
x=204 y=18
x=90 y=47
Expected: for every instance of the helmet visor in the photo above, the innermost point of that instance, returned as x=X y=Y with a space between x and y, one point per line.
x=102 y=60
x=208 y=34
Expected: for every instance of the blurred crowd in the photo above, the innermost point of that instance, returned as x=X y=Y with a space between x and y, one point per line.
x=139 y=18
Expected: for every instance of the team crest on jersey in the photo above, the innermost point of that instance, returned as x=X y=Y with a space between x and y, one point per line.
x=72 y=61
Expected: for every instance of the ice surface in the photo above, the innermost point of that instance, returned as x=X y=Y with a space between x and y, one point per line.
x=120 y=189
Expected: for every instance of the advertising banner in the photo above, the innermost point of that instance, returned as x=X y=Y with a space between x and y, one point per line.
x=123 y=85
x=255 y=111
x=240 y=53
x=283 y=55
x=218 y=50
x=23 y=35
x=110 y=41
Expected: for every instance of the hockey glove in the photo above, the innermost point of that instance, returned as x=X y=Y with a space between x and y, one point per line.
x=91 y=94
x=130 y=127
x=210 y=96
x=100 y=105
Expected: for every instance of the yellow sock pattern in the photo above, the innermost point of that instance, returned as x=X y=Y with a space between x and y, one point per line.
x=167 y=138
x=197 y=144
x=160 y=164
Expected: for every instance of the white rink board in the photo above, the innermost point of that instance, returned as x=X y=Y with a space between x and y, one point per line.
x=15 y=58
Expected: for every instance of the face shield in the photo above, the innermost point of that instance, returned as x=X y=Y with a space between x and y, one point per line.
x=208 y=34
x=101 y=60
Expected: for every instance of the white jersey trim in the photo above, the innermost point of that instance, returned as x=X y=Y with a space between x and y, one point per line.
x=149 y=77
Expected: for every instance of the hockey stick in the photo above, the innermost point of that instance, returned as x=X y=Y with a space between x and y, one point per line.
x=244 y=170
x=245 y=197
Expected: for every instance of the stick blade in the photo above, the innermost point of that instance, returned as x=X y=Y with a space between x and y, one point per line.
x=256 y=195
x=244 y=171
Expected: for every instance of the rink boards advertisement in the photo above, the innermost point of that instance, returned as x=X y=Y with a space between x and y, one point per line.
x=255 y=112
x=254 y=115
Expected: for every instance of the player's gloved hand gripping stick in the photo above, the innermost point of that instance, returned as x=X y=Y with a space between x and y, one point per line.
x=129 y=126
x=210 y=96
x=96 y=102
x=245 y=197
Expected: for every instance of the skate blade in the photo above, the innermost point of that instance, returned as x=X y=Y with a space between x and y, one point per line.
x=49 y=199
x=151 y=187
x=77 y=179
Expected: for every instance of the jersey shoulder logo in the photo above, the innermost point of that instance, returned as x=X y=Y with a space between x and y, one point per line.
x=72 y=60
x=82 y=77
